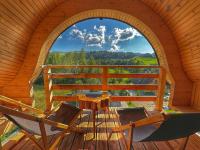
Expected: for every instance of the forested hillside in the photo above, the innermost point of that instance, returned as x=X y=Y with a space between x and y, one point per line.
x=101 y=58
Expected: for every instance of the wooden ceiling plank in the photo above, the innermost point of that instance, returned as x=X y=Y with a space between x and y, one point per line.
x=13 y=56
x=8 y=70
x=187 y=8
x=9 y=63
x=13 y=37
x=41 y=8
x=190 y=41
x=17 y=13
x=24 y=8
x=32 y=11
x=36 y=11
x=176 y=9
x=11 y=49
x=6 y=40
x=9 y=32
x=18 y=21
x=50 y=4
x=190 y=20
x=10 y=52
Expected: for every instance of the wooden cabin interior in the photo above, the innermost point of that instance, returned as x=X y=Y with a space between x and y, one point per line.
x=28 y=28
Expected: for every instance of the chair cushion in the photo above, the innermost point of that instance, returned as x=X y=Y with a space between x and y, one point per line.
x=65 y=114
x=127 y=115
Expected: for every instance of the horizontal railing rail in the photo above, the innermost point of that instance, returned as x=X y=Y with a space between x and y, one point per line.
x=104 y=75
x=98 y=66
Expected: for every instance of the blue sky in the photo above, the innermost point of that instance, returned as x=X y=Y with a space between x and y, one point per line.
x=102 y=34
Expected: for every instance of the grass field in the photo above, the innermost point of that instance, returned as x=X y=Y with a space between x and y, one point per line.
x=39 y=96
x=146 y=60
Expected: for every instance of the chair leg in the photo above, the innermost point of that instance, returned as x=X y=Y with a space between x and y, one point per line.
x=183 y=147
x=33 y=139
x=110 y=135
x=57 y=142
x=130 y=138
x=43 y=135
x=0 y=144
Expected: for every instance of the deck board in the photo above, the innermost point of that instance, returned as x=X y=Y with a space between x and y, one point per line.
x=74 y=141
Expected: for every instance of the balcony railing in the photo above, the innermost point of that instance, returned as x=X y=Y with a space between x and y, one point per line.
x=104 y=74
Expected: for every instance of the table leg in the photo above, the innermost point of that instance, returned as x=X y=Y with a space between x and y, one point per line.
x=94 y=125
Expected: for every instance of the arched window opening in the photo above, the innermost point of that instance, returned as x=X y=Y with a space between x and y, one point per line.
x=102 y=41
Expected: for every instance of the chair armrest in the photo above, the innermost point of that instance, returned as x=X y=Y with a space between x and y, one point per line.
x=142 y=122
x=122 y=128
x=149 y=120
x=19 y=104
x=56 y=124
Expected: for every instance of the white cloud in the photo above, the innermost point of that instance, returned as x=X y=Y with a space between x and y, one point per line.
x=125 y=34
x=101 y=30
x=98 y=37
x=91 y=39
x=122 y=35
x=115 y=48
x=60 y=37
x=78 y=34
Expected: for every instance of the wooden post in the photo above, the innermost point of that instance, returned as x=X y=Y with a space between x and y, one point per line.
x=47 y=88
x=183 y=147
x=130 y=137
x=43 y=134
x=161 y=89
x=105 y=79
x=1 y=144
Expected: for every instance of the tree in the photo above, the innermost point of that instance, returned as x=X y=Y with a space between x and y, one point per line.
x=82 y=59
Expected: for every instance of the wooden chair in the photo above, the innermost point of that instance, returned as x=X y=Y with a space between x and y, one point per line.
x=35 y=122
x=160 y=127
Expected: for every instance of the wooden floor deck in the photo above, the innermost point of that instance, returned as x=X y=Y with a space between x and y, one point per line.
x=105 y=123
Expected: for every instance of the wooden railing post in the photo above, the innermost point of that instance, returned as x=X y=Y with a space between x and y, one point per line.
x=47 y=87
x=105 y=79
x=161 y=89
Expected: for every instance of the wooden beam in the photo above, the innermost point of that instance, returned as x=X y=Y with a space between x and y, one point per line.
x=98 y=66
x=104 y=79
x=142 y=75
x=87 y=75
x=133 y=87
x=70 y=75
x=133 y=98
x=47 y=88
x=113 y=98
x=161 y=89
x=76 y=87
x=99 y=87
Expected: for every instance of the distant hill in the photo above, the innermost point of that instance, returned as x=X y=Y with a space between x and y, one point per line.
x=111 y=55
x=116 y=55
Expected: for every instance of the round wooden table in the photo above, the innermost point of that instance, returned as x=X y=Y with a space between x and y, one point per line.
x=89 y=101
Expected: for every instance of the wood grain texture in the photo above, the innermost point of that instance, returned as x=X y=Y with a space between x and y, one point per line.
x=23 y=31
